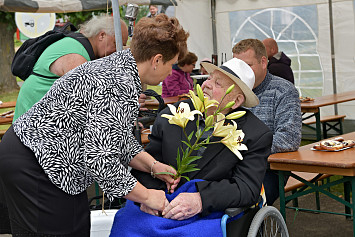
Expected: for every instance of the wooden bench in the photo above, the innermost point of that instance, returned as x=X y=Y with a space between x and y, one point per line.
x=293 y=184
x=338 y=119
x=6 y=120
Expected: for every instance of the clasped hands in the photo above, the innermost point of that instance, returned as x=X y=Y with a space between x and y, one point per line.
x=184 y=206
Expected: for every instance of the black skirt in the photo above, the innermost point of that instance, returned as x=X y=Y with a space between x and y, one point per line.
x=35 y=205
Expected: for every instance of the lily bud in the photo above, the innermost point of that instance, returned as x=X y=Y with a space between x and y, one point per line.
x=200 y=92
x=229 y=90
x=209 y=121
x=230 y=104
x=235 y=115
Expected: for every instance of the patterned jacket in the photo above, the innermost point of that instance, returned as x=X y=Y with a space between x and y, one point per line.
x=81 y=130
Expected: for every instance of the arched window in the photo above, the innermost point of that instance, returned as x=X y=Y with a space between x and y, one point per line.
x=295 y=30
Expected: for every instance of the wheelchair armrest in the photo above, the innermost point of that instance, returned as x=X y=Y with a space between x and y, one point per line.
x=233 y=211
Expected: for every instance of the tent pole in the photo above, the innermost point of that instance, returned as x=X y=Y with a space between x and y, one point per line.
x=332 y=52
x=117 y=24
x=214 y=34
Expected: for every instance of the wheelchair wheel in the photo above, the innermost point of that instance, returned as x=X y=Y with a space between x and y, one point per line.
x=268 y=221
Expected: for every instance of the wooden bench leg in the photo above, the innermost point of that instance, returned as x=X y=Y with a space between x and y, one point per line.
x=327 y=127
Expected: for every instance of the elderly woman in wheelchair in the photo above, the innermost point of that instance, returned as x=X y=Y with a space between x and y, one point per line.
x=223 y=181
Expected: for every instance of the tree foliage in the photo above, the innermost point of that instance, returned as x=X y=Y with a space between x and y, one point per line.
x=9 y=19
x=7 y=51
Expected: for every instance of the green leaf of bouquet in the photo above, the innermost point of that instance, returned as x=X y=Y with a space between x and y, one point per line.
x=187 y=144
x=190 y=169
x=193 y=158
x=178 y=158
x=198 y=133
x=187 y=178
x=187 y=167
x=185 y=154
x=169 y=173
x=198 y=147
x=190 y=136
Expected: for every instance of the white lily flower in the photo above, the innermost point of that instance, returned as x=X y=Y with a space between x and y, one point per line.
x=181 y=115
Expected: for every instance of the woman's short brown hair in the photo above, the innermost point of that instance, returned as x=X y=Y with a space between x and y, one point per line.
x=190 y=58
x=158 y=35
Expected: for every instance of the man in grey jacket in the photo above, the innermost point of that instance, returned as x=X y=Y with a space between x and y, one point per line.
x=279 y=107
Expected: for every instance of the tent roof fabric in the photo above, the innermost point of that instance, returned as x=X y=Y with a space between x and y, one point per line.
x=62 y=6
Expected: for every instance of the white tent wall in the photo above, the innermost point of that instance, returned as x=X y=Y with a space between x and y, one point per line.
x=196 y=17
x=344 y=48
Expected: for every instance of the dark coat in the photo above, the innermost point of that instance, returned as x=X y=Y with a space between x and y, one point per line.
x=229 y=182
x=281 y=67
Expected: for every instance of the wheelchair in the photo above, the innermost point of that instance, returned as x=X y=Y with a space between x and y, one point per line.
x=254 y=222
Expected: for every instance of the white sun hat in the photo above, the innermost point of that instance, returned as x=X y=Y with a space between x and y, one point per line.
x=242 y=74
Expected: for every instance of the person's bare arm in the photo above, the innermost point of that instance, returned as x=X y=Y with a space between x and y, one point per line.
x=66 y=63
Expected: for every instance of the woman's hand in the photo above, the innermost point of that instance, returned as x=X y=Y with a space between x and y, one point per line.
x=184 y=206
x=156 y=200
x=148 y=210
x=141 y=101
x=171 y=183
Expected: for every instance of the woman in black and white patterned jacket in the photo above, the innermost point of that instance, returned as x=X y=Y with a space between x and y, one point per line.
x=81 y=131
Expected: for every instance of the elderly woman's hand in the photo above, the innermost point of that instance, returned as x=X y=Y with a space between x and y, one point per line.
x=184 y=206
x=156 y=200
x=171 y=183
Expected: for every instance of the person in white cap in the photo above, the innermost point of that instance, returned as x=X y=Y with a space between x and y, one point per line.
x=228 y=181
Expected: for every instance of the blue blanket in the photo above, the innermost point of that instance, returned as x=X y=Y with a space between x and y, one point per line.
x=131 y=221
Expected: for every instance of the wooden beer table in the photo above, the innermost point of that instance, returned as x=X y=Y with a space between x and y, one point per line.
x=313 y=106
x=154 y=104
x=322 y=162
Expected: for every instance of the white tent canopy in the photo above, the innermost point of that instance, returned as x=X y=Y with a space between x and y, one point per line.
x=301 y=28
x=59 y=6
